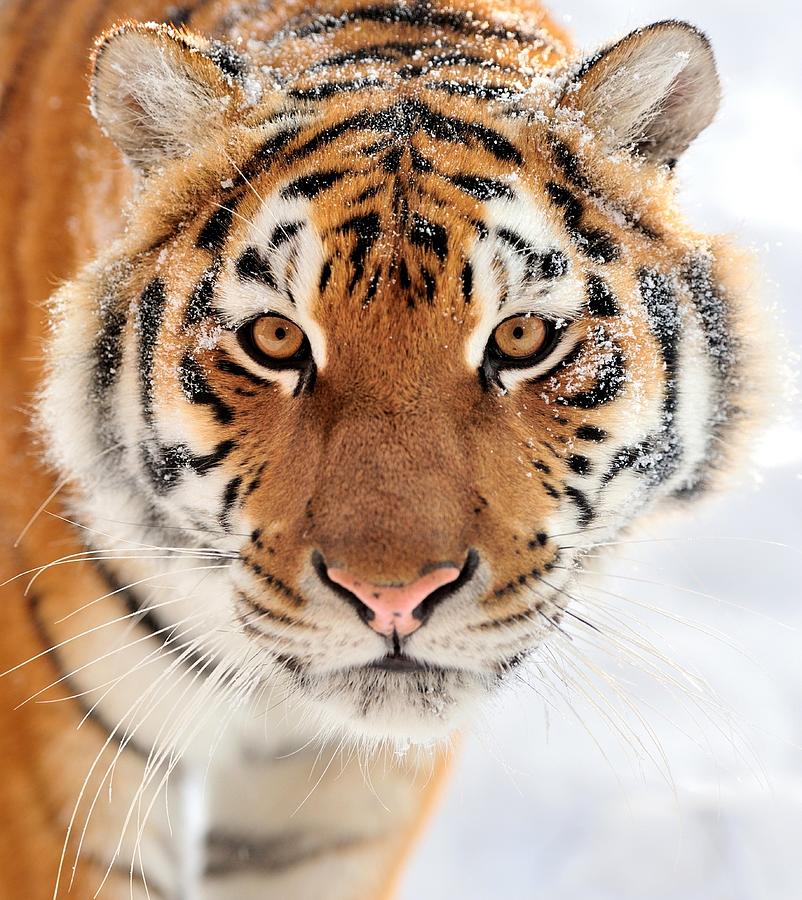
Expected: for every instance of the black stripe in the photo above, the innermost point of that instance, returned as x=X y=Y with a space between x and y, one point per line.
x=273 y=581
x=600 y=299
x=711 y=305
x=201 y=302
x=164 y=465
x=196 y=389
x=150 y=312
x=579 y=464
x=253 y=265
x=145 y=617
x=467 y=282
x=108 y=350
x=480 y=188
x=224 y=364
x=284 y=232
x=325 y=275
x=329 y=89
x=367 y=229
x=309 y=186
x=214 y=232
x=626 y=458
x=267 y=153
x=591 y=433
x=580 y=500
x=228 y=854
x=478 y=90
x=714 y=313
x=396 y=51
x=373 y=286
x=429 y=284
x=598 y=245
x=391 y=162
x=569 y=165
x=429 y=235
x=230 y=497
x=417 y=15
x=386 y=52
x=662 y=307
x=402 y=119
x=610 y=376
x=419 y=162
x=537 y=265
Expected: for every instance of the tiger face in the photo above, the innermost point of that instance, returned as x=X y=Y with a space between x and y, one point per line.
x=402 y=352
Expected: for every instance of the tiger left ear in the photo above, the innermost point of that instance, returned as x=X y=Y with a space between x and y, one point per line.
x=160 y=94
x=652 y=92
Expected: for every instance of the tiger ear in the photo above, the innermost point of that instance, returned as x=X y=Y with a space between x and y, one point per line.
x=652 y=92
x=159 y=93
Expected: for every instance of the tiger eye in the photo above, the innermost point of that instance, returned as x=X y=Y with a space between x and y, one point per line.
x=520 y=336
x=276 y=337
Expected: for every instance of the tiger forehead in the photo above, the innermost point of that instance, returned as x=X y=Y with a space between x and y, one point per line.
x=396 y=202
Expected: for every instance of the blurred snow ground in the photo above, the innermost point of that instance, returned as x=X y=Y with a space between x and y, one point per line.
x=693 y=792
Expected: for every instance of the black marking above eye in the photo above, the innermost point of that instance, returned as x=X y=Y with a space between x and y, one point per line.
x=253 y=265
x=537 y=264
x=593 y=242
x=600 y=299
x=284 y=232
x=554 y=264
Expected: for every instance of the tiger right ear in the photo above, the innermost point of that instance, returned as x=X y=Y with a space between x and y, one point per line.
x=159 y=93
x=652 y=92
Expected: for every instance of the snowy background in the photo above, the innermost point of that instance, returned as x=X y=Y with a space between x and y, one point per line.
x=686 y=784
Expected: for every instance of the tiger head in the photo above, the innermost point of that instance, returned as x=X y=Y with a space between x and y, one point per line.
x=403 y=346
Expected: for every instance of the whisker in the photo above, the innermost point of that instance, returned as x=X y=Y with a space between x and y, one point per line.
x=60 y=485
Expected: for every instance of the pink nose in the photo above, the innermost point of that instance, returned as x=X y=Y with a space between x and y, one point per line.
x=392 y=607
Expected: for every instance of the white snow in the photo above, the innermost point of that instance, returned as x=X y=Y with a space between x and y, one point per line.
x=535 y=808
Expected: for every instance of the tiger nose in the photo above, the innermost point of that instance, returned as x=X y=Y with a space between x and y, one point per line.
x=391 y=608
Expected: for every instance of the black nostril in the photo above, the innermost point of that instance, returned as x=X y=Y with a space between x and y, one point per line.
x=322 y=572
x=424 y=609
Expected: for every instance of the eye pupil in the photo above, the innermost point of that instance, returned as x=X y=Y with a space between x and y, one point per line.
x=518 y=332
x=281 y=334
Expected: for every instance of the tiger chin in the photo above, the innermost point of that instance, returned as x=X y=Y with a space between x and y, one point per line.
x=376 y=320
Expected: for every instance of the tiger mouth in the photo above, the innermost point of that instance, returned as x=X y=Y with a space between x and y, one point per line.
x=399 y=662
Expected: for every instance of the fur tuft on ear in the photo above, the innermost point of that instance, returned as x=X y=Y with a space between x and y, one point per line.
x=159 y=93
x=652 y=92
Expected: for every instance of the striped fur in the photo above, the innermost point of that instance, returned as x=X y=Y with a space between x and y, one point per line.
x=396 y=179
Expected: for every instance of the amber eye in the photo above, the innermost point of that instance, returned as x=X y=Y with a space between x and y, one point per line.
x=275 y=341
x=521 y=337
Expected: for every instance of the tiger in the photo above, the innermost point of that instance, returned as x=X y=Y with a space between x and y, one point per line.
x=337 y=336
